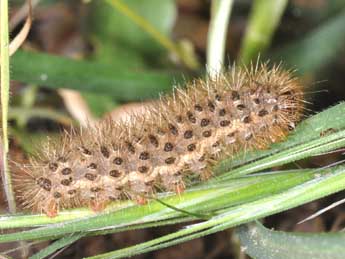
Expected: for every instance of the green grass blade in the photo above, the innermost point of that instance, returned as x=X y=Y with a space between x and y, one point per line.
x=331 y=182
x=312 y=148
x=208 y=198
x=264 y=19
x=65 y=241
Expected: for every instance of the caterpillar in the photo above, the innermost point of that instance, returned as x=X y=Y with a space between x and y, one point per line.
x=180 y=138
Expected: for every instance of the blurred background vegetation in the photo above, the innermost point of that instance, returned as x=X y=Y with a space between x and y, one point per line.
x=85 y=60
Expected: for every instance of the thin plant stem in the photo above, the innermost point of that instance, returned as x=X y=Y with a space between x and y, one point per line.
x=216 y=39
x=264 y=19
x=5 y=88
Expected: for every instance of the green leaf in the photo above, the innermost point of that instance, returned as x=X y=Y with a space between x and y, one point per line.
x=262 y=243
x=112 y=26
x=119 y=42
x=55 y=72
x=317 y=48
x=116 y=55
x=320 y=13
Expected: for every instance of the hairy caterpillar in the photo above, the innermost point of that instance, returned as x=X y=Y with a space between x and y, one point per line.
x=181 y=137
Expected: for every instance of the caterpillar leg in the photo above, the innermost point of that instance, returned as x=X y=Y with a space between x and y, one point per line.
x=140 y=200
x=205 y=174
x=173 y=182
x=140 y=190
x=51 y=209
x=179 y=188
x=97 y=205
